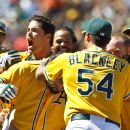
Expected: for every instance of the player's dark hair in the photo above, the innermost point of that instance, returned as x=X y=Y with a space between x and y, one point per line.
x=127 y=45
x=72 y=34
x=2 y=28
x=74 y=39
x=47 y=25
x=100 y=41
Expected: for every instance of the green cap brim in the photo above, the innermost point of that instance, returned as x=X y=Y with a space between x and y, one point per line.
x=2 y=32
x=127 y=31
x=83 y=26
x=83 y=31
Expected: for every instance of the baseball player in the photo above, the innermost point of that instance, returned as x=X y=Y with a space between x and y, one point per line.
x=4 y=107
x=2 y=37
x=39 y=39
x=116 y=45
x=63 y=41
x=127 y=43
x=7 y=59
x=94 y=80
x=125 y=115
x=49 y=116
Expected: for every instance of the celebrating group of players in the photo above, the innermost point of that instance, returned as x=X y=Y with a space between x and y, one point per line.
x=28 y=113
x=79 y=90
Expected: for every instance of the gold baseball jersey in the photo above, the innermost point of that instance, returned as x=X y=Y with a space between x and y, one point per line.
x=50 y=116
x=25 y=56
x=40 y=108
x=94 y=81
x=30 y=90
x=125 y=116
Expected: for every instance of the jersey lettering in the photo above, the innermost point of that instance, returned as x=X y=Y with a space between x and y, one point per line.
x=61 y=97
x=95 y=59
x=77 y=59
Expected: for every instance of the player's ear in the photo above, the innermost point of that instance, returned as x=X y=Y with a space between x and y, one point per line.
x=48 y=36
x=87 y=37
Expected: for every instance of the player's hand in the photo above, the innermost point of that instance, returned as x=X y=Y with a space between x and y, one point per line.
x=56 y=86
x=39 y=72
x=3 y=114
x=11 y=58
x=7 y=92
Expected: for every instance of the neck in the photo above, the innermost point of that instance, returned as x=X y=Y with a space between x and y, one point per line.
x=41 y=55
x=89 y=45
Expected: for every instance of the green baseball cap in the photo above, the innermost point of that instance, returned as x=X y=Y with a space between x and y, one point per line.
x=98 y=27
x=2 y=28
x=127 y=31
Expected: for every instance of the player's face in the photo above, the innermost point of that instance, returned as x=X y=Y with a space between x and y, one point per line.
x=63 y=41
x=37 y=40
x=127 y=56
x=128 y=49
x=116 y=47
x=2 y=42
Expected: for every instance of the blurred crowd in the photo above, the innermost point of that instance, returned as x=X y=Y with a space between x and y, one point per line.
x=15 y=14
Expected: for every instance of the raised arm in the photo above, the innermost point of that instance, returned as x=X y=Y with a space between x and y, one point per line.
x=54 y=86
x=40 y=71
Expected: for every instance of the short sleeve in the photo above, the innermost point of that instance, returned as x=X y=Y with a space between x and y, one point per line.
x=53 y=70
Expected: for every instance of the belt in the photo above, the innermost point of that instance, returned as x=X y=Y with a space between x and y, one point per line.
x=81 y=116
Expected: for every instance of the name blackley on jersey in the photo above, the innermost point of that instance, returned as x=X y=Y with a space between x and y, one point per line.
x=97 y=59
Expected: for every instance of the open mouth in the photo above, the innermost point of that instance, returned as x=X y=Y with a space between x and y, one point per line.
x=30 y=43
x=64 y=49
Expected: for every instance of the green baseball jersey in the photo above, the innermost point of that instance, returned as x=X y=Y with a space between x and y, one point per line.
x=95 y=82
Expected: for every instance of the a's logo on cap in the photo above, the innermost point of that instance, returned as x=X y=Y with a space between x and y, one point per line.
x=102 y=34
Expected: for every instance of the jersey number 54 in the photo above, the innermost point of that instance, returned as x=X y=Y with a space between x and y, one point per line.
x=104 y=85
